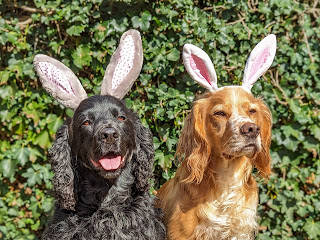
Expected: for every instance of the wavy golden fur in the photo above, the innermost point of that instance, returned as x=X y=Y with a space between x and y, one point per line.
x=213 y=194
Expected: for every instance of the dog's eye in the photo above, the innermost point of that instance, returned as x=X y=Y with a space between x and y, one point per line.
x=86 y=123
x=252 y=111
x=220 y=113
x=121 y=118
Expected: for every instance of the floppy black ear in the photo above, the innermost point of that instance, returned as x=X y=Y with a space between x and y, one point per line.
x=63 y=179
x=144 y=157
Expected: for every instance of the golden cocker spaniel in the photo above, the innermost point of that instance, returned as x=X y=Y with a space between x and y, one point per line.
x=228 y=132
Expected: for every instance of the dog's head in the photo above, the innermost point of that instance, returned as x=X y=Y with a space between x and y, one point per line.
x=103 y=135
x=238 y=122
x=229 y=122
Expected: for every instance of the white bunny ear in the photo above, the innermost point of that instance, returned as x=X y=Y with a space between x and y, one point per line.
x=59 y=81
x=259 y=61
x=199 y=66
x=125 y=65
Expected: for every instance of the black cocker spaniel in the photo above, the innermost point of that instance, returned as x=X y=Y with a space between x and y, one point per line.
x=102 y=158
x=102 y=162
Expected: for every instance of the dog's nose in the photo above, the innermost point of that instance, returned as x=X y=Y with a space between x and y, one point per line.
x=250 y=130
x=109 y=134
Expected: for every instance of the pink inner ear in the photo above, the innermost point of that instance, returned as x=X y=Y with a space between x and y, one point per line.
x=56 y=77
x=259 y=61
x=199 y=68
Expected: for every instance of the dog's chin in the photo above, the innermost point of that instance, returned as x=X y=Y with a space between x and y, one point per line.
x=249 y=151
x=109 y=165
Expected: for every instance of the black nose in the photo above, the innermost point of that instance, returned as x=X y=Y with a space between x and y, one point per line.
x=109 y=134
x=250 y=130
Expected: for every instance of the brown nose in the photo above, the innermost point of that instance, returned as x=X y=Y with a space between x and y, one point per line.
x=250 y=130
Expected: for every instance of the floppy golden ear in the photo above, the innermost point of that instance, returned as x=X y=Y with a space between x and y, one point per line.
x=193 y=147
x=263 y=160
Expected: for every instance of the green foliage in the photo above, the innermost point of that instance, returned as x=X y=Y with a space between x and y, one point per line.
x=84 y=34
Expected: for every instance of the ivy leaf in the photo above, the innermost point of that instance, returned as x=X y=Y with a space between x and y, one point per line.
x=32 y=176
x=81 y=56
x=47 y=205
x=164 y=161
x=315 y=131
x=312 y=228
x=7 y=167
x=173 y=55
x=13 y=37
x=136 y=22
x=75 y=30
x=22 y=155
x=289 y=130
x=143 y=23
x=291 y=143
x=34 y=154
x=6 y=91
x=159 y=157
x=146 y=18
x=4 y=76
x=42 y=139
x=3 y=38
x=31 y=112
x=295 y=106
x=167 y=175
x=13 y=212
x=144 y=79
x=156 y=143
x=119 y=25
x=311 y=144
x=36 y=225
x=171 y=142
x=34 y=208
x=53 y=123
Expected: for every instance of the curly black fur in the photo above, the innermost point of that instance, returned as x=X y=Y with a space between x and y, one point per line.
x=94 y=203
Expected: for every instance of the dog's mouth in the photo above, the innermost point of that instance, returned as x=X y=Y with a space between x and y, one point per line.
x=109 y=162
x=227 y=156
x=249 y=151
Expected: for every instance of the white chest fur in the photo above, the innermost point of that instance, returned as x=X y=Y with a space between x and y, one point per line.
x=227 y=220
x=230 y=213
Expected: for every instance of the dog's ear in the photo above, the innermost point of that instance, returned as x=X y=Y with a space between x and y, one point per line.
x=144 y=157
x=193 y=146
x=263 y=160
x=63 y=179
x=125 y=65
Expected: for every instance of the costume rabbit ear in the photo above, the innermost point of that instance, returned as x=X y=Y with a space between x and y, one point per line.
x=259 y=61
x=59 y=81
x=199 y=66
x=125 y=65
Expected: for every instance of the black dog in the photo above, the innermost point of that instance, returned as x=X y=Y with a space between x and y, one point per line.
x=102 y=159
x=102 y=162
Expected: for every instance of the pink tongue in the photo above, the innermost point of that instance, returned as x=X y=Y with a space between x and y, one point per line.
x=110 y=163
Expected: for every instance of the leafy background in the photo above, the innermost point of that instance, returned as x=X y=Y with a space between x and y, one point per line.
x=84 y=34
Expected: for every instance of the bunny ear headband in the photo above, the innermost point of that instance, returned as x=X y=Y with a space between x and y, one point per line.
x=122 y=71
x=201 y=69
